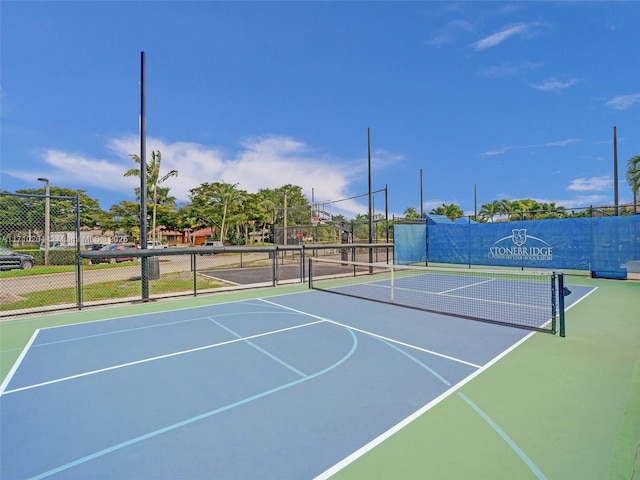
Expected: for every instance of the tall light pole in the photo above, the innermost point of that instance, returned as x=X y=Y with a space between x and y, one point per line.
x=615 y=170
x=47 y=212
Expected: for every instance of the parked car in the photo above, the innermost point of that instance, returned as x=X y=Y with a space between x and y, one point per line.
x=211 y=243
x=115 y=247
x=155 y=245
x=93 y=246
x=10 y=260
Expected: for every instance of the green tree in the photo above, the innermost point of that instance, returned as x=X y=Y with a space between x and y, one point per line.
x=62 y=209
x=524 y=209
x=298 y=208
x=12 y=218
x=410 y=212
x=257 y=211
x=505 y=207
x=124 y=217
x=360 y=227
x=551 y=210
x=632 y=176
x=213 y=203
x=231 y=199
x=489 y=210
x=451 y=211
x=154 y=180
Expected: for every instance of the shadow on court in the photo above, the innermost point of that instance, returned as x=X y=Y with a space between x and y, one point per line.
x=283 y=273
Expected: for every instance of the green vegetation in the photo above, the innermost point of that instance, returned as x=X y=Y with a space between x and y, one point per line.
x=43 y=270
x=526 y=209
x=154 y=180
x=117 y=289
x=633 y=178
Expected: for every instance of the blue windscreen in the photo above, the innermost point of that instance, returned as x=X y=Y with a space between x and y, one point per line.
x=410 y=244
x=607 y=244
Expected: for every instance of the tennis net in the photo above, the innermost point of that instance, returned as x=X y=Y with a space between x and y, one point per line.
x=522 y=299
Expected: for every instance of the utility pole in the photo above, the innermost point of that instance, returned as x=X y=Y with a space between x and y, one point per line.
x=615 y=171
x=47 y=219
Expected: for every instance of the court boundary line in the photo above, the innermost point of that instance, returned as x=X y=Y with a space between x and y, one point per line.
x=18 y=362
x=151 y=359
x=499 y=430
x=375 y=335
x=108 y=308
x=400 y=425
x=145 y=327
x=197 y=418
x=411 y=418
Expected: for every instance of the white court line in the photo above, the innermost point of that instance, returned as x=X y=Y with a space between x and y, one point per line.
x=467 y=286
x=261 y=350
x=18 y=361
x=399 y=426
x=375 y=335
x=152 y=359
x=444 y=294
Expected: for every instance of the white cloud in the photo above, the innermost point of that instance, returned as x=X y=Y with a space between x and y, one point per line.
x=449 y=33
x=508 y=69
x=260 y=162
x=82 y=170
x=498 y=37
x=505 y=149
x=553 y=85
x=623 y=102
x=559 y=143
x=593 y=184
x=498 y=151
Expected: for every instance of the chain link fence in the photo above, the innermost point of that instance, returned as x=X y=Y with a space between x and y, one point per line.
x=39 y=235
x=60 y=268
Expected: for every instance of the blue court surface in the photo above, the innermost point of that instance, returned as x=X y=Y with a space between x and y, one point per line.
x=284 y=387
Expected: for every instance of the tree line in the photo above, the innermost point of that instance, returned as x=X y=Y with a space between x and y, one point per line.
x=233 y=213
x=528 y=209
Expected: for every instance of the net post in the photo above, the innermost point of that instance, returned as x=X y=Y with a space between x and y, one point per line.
x=195 y=274
x=310 y=274
x=561 y=303
x=78 y=247
x=274 y=266
x=392 y=287
x=554 y=309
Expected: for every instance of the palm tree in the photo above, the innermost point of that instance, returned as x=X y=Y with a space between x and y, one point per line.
x=451 y=211
x=230 y=197
x=633 y=179
x=490 y=210
x=153 y=180
x=505 y=207
x=410 y=212
x=524 y=209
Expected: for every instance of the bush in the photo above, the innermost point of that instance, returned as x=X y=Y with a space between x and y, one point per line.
x=56 y=257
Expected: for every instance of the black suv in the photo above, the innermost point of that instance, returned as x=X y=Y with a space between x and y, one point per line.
x=10 y=260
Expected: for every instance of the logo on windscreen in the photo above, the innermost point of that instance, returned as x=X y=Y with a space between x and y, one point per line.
x=519 y=236
x=520 y=246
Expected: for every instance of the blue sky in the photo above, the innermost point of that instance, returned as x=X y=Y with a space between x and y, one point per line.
x=517 y=98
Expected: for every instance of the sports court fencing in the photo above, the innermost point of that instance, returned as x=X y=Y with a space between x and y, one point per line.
x=605 y=246
x=328 y=231
x=44 y=227
x=134 y=275
x=522 y=299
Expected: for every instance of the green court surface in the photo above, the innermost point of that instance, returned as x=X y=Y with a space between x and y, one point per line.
x=556 y=408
